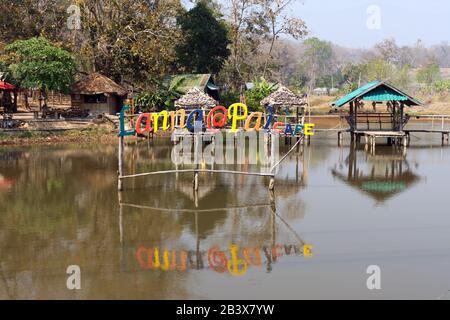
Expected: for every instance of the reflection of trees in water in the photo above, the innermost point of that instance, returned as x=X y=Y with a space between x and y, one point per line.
x=62 y=210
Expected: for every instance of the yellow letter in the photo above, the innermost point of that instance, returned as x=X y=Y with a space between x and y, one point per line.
x=309 y=129
x=156 y=261
x=233 y=114
x=165 y=265
x=234 y=269
x=307 y=250
x=156 y=116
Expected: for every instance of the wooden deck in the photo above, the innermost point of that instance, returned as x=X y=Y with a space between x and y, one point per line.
x=382 y=134
x=445 y=134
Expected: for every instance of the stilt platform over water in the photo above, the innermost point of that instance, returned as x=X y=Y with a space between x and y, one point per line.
x=377 y=111
x=393 y=137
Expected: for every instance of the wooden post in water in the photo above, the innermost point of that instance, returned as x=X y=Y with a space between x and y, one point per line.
x=197 y=150
x=272 y=156
x=120 y=172
x=196 y=179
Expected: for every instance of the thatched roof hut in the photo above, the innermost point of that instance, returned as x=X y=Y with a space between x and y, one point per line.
x=195 y=98
x=283 y=97
x=98 y=94
x=97 y=83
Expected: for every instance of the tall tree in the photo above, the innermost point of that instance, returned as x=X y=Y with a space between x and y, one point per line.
x=129 y=39
x=429 y=75
x=317 y=58
x=379 y=69
x=279 y=22
x=204 y=41
x=389 y=51
x=20 y=20
x=37 y=63
x=247 y=31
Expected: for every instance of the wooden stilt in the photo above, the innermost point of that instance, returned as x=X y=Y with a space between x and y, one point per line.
x=196 y=181
x=120 y=171
x=272 y=184
x=197 y=155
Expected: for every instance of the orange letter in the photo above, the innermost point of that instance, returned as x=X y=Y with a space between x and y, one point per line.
x=217 y=260
x=258 y=121
x=173 y=116
x=257 y=261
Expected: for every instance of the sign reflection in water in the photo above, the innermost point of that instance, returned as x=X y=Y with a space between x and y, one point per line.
x=235 y=257
x=234 y=261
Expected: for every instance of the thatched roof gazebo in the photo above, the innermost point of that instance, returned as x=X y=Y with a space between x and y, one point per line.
x=195 y=99
x=98 y=94
x=283 y=97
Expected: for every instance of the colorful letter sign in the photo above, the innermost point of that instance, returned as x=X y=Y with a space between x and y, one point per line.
x=216 y=119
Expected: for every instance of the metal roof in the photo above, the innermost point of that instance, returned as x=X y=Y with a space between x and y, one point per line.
x=377 y=91
x=188 y=81
x=6 y=86
x=383 y=94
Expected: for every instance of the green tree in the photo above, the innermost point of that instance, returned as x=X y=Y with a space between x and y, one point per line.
x=353 y=74
x=442 y=86
x=429 y=74
x=261 y=89
x=203 y=48
x=402 y=77
x=317 y=59
x=37 y=63
x=162 y=97
x=379 y=69
x=5 y=75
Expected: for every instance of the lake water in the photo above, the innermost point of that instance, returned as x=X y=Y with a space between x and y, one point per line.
x=335 y=212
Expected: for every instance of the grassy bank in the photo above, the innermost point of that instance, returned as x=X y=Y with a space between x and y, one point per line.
x=87 y=135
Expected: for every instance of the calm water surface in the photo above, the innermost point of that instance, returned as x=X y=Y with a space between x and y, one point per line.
x=59 y=206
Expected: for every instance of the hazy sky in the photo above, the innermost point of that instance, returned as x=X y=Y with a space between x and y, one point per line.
x=344 y=22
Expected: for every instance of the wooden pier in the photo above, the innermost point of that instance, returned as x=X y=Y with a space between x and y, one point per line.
x=393 y=137
x=444 y=133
